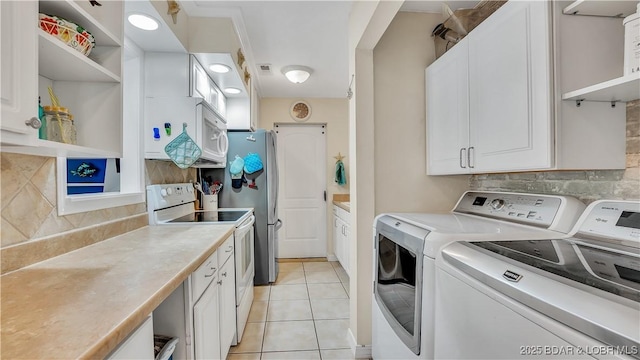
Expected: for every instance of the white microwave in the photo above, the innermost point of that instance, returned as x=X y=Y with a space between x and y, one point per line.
x=212 y=134
x=163 y=122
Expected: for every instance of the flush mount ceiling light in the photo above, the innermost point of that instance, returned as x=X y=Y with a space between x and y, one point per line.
x=144 y=22
x=219 y=68
x=232 y=90
x=297 y=74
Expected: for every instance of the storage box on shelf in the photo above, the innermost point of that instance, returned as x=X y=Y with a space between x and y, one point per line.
x=90 y=87
x=491 y=110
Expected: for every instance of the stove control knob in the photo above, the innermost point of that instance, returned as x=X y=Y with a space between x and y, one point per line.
x=497 y=204
x=163 y=192
x=169 y=191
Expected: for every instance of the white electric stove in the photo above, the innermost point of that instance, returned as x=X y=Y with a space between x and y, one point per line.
x=174 y=204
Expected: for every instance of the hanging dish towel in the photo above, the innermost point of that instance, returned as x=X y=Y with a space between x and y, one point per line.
x=341 y=177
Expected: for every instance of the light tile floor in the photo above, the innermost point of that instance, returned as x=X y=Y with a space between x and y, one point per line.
x=304 y=315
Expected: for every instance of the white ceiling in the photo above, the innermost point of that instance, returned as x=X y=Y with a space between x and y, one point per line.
x=312 y=33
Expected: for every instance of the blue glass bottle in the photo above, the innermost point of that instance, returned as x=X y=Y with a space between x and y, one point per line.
x=42 y=132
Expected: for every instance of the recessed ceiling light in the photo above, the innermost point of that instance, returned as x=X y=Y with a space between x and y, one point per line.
x=219 y=68
x=144 y=22
x=232 y=90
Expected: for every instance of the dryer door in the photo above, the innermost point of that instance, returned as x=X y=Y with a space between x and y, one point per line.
x=398 y=278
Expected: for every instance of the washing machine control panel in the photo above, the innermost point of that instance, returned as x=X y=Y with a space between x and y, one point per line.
x=533 y=209
x=616 y=220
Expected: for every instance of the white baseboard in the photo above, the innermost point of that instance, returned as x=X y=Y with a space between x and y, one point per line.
x=332 y=258
x=359 y=351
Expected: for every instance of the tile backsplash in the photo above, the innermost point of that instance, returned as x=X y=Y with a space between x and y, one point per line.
x=589 y=185
x=31 y=229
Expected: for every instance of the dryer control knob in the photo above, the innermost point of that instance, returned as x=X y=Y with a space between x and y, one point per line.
x=497 y=204
x=169 y=191
x=163 y=192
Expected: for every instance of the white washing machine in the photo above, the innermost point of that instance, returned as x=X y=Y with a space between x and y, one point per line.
x=406 y=246
x=576 y=297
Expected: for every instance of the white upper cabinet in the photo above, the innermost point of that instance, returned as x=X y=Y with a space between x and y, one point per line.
x=178 y=75
x=19 y=74
x=510 y=91
x=448 y=112
x=166 y=74
x=494 y=100
x=89 y=86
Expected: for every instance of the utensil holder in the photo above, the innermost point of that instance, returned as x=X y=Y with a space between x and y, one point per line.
x=210 y=202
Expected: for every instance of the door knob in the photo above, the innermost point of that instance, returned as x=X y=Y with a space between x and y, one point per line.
x=34 y=122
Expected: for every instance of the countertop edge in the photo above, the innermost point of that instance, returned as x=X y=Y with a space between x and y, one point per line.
x=342 y=205
x=122 y=326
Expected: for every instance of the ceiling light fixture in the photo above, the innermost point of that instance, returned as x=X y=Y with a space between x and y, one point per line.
x=144 y=22
x=297 y=74
x=232 y=90
x=219 y=68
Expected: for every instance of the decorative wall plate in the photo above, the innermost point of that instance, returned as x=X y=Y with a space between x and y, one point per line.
x=300 y=111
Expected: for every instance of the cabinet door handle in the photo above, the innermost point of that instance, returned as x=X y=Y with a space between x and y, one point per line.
x=219 y=282
x=212 y=272
x=230 y=249
x=224 y=274
x=462 y=150
x=469 y=157
x=34 y=122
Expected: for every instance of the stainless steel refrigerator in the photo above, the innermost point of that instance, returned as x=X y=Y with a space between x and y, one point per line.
x=259 y=192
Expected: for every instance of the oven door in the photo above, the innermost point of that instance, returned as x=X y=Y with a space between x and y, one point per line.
x=215 y=142
x=398 y=277
x=244 y=238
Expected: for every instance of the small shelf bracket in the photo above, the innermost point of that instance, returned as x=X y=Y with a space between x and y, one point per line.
x=612 y=102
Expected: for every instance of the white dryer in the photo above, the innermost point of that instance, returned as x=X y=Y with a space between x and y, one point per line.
x=577 y=297
x=406 y=246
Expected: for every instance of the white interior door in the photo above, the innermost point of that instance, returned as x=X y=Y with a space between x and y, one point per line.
x=302 y=168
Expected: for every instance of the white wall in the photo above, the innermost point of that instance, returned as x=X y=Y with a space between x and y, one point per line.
x=399 y=59
x=367 y=22
x=334 y=113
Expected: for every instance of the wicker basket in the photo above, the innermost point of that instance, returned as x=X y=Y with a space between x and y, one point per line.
x=69 y=33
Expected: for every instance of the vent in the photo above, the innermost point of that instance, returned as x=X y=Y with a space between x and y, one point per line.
x=265 y=69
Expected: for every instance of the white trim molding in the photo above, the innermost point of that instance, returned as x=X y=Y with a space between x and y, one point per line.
x=359 y=351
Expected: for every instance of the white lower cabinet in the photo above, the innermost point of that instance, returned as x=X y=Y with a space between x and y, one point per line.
x=138 y=345
x=228 y=322
x=201 y=312
x=206 y=324
x=341 y=229
x=227 y=283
